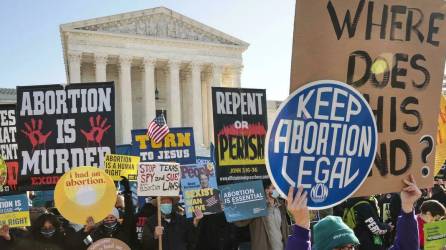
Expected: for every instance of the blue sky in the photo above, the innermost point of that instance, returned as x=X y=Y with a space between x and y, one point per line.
x=31 y=53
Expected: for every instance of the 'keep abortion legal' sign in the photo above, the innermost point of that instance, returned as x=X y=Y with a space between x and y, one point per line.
x=324 y=138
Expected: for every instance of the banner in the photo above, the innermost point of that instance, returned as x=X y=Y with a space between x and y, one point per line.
x=121 y=165
x=440 y=150
x=83 y=192
x=61 y=127
x=158 y=179
x=177 y=146
x=9 y=160
x=14 y=211
x=199 y=187
x=240 y=126
x=244 y=200
x=435 y=235
x=394 y=54
x=108 y=244
x=324 y=138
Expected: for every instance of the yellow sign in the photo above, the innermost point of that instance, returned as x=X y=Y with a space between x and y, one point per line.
x=84 y=192
x=121 y=165
x=440 y=151
x=14 y=211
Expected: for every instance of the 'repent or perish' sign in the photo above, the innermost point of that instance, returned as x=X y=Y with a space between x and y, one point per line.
x=240 y=125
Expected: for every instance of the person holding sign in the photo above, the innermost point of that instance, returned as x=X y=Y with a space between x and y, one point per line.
x=332 y=234
x=110 y=227
x=176 y=232
x=269 y=232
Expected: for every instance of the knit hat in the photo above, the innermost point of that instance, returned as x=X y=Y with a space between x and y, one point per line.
x=331 y=232
x=115 y=212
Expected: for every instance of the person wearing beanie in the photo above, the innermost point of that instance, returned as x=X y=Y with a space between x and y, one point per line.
x=332 y=234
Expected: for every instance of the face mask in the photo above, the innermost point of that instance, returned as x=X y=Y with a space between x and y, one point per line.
x=110 y=226
x=275 y=194
x=166 y=208
x=47 y=233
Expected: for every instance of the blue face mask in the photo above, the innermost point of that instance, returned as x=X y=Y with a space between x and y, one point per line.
x=275 y=194
x=166 y=208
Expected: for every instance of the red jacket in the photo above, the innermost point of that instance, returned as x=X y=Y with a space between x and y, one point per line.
x=420 y=222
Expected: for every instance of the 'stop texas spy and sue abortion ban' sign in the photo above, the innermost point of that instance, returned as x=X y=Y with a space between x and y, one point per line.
x=324 y=138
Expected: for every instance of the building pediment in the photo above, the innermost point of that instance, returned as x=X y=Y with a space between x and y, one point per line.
x=156 y=23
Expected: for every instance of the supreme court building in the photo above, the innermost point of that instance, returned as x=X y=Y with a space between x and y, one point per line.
x=160 y=61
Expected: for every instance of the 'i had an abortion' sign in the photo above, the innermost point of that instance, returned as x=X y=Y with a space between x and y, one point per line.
x=324 y=138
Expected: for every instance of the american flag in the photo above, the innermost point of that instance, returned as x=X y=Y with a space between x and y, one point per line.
x=157 y=129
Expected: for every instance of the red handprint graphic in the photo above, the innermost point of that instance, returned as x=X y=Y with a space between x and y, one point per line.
x=34 y=133
x=97 y=130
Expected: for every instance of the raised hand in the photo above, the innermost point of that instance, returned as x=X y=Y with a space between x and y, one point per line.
x=4 y=232
x=89 y=225
x=98 y=128
x=198 y=216
x=158 y=232
x=410 y=194
x=34 y=132
x=297 y=205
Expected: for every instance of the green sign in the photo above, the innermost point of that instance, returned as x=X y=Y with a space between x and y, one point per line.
x=435 y=235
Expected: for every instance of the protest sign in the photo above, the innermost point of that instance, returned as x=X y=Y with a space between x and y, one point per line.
x=244 y=200
x=199 y=187
x=392 y=52
x=14 y=211
x=324 y=138
x=9 y=161
x=158 y=179
x=178 y=146
x=121 y=165
x=440 y=147
x=109 y=244
x=240 y=125
x=435 y=235
x=61 y=127
x=83 y=192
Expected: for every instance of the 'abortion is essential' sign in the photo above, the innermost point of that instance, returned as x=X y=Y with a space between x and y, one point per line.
x=324 y=138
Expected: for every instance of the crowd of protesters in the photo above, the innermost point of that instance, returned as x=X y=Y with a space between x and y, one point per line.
x=389 y=221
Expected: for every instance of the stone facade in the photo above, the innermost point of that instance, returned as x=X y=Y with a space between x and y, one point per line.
x=160 y=61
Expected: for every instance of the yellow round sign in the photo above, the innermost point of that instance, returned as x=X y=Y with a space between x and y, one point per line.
x=84 y=192
x=109 y=244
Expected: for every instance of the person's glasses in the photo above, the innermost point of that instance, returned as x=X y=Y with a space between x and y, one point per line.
x=347 y=247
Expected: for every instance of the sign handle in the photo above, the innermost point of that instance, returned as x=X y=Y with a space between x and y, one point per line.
x=160 y=240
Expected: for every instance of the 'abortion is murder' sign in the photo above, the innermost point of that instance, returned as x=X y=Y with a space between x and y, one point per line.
x=240 y=126
x=393 y=52
x=60 y=127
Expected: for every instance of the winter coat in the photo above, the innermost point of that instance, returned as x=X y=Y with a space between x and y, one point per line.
x=178 y=234
x=124 y=232
x=406 y=236
x=258 y=229
x=369 y=229
x=216 y=233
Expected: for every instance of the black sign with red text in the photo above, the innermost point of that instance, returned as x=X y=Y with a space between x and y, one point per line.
x=240 y=125
x=60 y=127
x=9 y=166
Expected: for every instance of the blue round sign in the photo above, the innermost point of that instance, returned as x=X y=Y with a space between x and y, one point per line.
x=324 y=138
